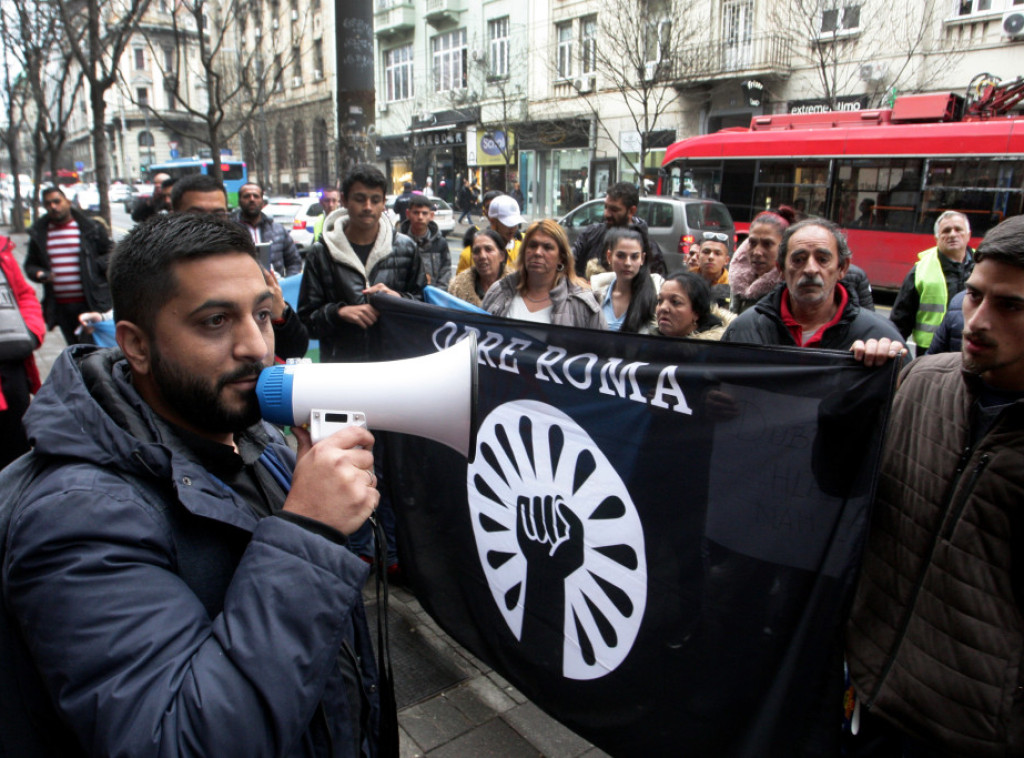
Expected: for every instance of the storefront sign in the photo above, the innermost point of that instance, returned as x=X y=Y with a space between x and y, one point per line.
x=820 y=105
x=493 y=148
x=441 y=137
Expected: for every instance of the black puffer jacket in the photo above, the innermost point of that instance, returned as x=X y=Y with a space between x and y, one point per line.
x=590 y=245
x=763 y=325
x=93 y=256
x=334 y=277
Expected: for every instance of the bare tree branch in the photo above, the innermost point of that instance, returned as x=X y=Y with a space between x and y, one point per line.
x=97 y=33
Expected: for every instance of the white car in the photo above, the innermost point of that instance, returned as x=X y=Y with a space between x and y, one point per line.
x=87 y=199
x=444 y=215
x=298 y=215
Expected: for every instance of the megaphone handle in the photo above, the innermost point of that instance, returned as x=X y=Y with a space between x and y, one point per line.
x=325 y=422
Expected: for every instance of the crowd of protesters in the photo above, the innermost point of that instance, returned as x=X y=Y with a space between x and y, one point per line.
x=936 y=633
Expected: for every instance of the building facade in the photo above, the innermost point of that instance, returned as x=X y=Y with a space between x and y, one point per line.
x=569 y=96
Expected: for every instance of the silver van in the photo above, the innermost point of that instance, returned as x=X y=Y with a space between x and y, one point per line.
x=673 y=222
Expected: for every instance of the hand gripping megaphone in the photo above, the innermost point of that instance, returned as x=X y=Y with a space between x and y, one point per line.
x=433 y=396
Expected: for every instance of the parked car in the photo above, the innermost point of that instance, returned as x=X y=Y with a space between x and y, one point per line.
x=119 y=192
x=87 y=199
x=674 y=222
x=137 y=195
x=444 y=216
x=298 y=215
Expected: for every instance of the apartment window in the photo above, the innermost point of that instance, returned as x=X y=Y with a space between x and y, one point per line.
x=966 y=8
x=497 y=34
x=658 y=41
x=168 y=60
x=318 y=58
x=296 y=62
x=278 y=73
x=843 y=20
x=142 y=96
x=564 y=34
x=449 y=54
x=140 y=58
x=588 y=45
x=299 y=143
x=169 y=92
x=398 y=74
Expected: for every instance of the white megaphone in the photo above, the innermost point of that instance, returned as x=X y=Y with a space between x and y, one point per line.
x=433 y=396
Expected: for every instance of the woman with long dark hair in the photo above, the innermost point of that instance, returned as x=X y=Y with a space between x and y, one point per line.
x=629 y=292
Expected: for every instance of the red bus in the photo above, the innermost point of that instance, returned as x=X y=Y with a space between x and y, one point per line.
x=883 y=175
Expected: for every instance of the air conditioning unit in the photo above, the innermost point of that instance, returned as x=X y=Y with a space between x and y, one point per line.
x=274 y=24
x=318 y=74
x=1013 y=24
x=650 y=71
x=382 y=108
x=873 y=72
x=295 y=15
x=296 y=81
x=583 y=85
x=478 y=55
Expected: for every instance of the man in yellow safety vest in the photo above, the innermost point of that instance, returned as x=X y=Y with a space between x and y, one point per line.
x=938 y=275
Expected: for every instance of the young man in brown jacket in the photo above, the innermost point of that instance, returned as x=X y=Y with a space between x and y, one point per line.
x=936 y=636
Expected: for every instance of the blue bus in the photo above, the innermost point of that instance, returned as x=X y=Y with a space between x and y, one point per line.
x=233 y=172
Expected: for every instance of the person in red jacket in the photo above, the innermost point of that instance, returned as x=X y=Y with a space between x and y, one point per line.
x=19 y=376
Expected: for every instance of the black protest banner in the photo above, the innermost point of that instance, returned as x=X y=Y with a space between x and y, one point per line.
x=655 y=540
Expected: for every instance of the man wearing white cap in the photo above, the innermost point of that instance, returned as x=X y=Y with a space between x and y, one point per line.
x=505 y=219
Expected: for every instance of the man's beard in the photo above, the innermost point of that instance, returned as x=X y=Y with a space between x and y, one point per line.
x=200 y=404
x=974 y=364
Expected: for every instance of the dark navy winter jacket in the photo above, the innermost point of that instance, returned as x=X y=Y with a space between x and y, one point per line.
x=949 y=336
x=256 y=650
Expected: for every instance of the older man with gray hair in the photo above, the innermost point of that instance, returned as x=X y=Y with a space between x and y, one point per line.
x=812 y=308
x=938 y=275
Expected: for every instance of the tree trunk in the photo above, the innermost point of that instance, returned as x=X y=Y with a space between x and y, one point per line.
x=99 y=148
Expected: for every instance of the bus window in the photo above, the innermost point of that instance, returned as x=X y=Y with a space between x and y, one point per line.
x=877 y=193
x=704 y=182
x=737 y=188
x=231 y=171
x=802 y=185
x=984 y=191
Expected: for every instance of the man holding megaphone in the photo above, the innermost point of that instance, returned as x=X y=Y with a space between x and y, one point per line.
x=178 y=580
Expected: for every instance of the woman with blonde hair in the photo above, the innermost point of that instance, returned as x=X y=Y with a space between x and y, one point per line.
x=544 y=287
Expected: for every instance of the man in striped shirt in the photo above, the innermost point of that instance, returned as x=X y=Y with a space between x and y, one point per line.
x=68 y=253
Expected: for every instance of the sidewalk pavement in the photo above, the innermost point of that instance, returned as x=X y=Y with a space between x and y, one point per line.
x=451 y=704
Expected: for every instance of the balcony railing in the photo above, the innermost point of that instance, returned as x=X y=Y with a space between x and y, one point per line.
x=392 y=17
x=440 y=11
x=762 y=55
